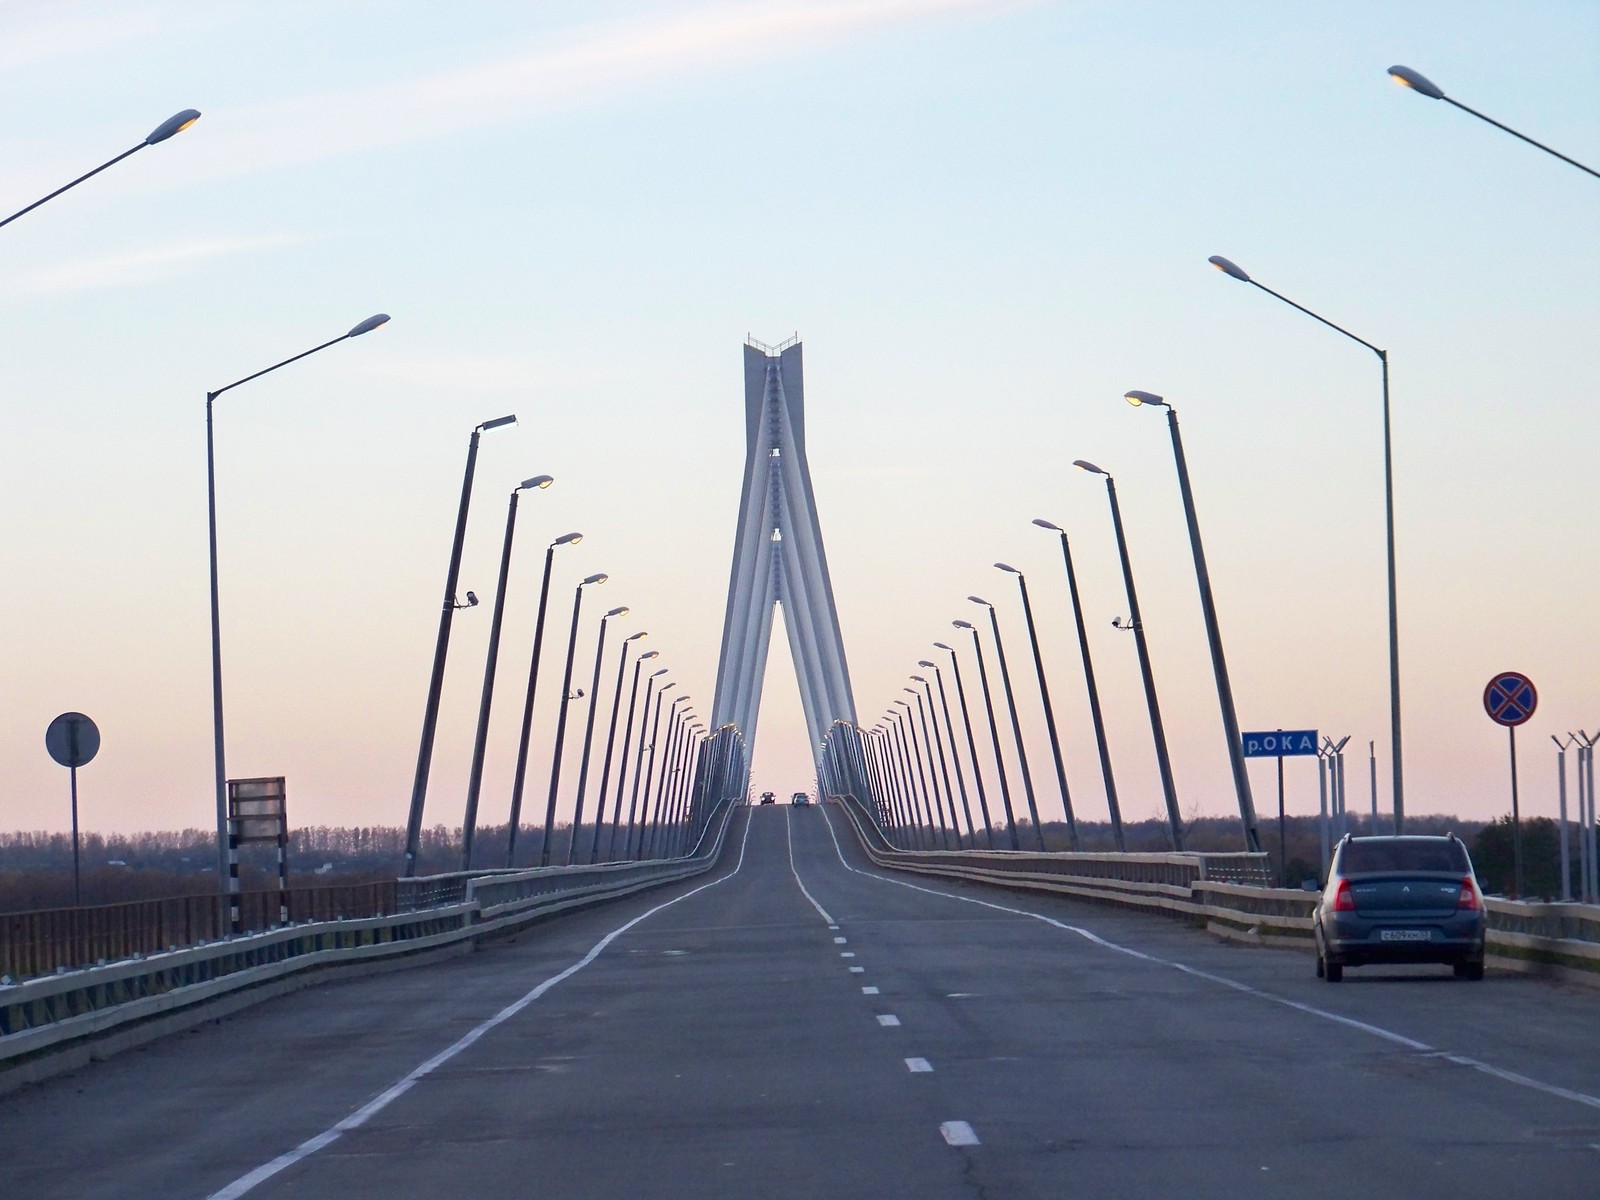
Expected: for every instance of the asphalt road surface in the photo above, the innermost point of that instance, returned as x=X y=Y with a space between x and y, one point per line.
x=798 y=1023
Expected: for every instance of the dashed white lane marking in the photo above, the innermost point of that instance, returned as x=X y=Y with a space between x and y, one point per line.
x=840 y=941
x=847 y=954
x=869 y=990
x=248 y=1183
x=858 y=970
x=1377 y=1031
x=959 y=1133
x=888 y=1019
x=788 y=832
x=918 y=1066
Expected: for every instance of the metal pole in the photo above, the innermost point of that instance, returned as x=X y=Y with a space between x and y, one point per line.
x=526 y=737
x=1516 y=819
x=1219 y=662
x=1589 y=829
x=972 y=750
x=77 y=890
x=944 y=766
x=649 y=769
x=638 y=769
x=561 y=730
x=1561 y=794
x=1106 y=775
x=1322 y=804
x=994 y=735
x=667 y=764
x=1158 y=733
x=1049 y=716
x=480 y=741
x=605 y=765
x=1016 y=727
x=955 y=753
x=1283 y=826
x=430 y=712
x=225 y=882
x=899 y=732
x=924 y=776
x=1372 y=764
x=588 y=742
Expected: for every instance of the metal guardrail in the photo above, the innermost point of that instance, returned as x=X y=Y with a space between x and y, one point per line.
x=1230 y=896
x=43 y=1013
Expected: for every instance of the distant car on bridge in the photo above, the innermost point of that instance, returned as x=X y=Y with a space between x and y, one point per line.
x=800 y=798
x=768 y=798
x=1400 y=900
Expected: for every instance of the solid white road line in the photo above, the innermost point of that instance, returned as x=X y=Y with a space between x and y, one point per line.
x=918 y=1066
x=248 y=1183
x=1377 y=1031
x=958 y=1133
x=788 y=829
x=888 y=1020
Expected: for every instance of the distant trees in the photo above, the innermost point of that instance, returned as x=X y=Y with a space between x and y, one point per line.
x=1493 y=857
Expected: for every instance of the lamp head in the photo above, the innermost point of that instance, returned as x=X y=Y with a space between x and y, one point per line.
x=567 y=539
x=922 y=662
x=1007 y=568
x=1416 y=81
x=942 y=646
x=508 y=419
x=619 y=611
x=369 y=324
x=634 y=637
x=597 y=577
x=906 y=704
x=177 y=123
x=1084 y=464
x=651 y=654
x=538 y=481
x=1050 y=525
x=1228 y=268
x=980 y=600
x=662 y=671
x=919 y=678
x=964 y=625
x=1137 y=398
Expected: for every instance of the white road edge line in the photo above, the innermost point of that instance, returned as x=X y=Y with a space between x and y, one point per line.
x=958 y=1133
x=788 y=829
x=1462 y=1060
x=248 y=1183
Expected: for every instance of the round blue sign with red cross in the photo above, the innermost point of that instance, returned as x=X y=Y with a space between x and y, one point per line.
x=1510 y=698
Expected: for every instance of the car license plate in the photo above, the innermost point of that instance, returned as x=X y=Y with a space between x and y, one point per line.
x=1404 y=935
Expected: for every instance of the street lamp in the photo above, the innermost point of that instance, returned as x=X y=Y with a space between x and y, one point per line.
x=480 y=741
x=635 y=821
x=994 y=732
x=955 y=753
x=1422 y=85
x=561 y=717
x=972 y=746
x=1208 y=607
x=430 y=711
x=915 y=788
x=526 y=737
x=937 y=742
x=1016 y=725
x=227 y=866
x=588 y=742
x=1106 y=775
x=627 y=743
x=611 y=737
x=1236 y=272
x=176 y=123
x=649 y=768
x=669 y=762
x=1049 y=710
x=1157 y=731
x=929 y=779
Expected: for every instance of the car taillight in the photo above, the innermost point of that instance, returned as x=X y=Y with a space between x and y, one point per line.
x=1343 y=900
x=1469 y=894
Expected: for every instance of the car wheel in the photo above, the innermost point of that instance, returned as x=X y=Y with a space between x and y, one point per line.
x=1469 y=970
x=1333 y=972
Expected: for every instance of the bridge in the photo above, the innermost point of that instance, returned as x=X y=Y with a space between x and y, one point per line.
x=879 y=994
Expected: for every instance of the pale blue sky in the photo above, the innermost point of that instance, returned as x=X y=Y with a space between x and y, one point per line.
x=986 y=221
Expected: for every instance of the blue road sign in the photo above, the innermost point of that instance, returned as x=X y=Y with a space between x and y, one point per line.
x=1510 y=698
x=1279 y=743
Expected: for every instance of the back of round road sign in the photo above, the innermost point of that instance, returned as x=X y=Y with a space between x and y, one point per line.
x=72 y=739
x=1510 y=698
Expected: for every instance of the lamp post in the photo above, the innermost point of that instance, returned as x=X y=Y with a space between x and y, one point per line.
x=430 y=711
x=634 y=819
x=972 y=746
x=1106 y=775
x=1236 y=272
x=174 y=124
x=929 y=802
x=611 y=737
x=525 y=739
x=1049 y=709
x=627 y=743
x=1157 y=730
x=994 y=733
x=227 y=870
x=480 y=741
x=937 y=742
x=649 y=769
x=1208 y=607
x=561 y=718
x=898 y=720
x=897 y=776
x=1016 y=725
x=1421 y=84
x=588 y=743
x=668 y=765
x=887 y=813
x=955 y=753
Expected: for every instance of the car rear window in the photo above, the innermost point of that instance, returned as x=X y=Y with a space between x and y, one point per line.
x=1401 y=854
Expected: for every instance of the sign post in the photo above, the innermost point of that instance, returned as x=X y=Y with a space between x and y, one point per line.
x=257 y=812
x=73 y=740
x=1279 y=743
x=1510 y=699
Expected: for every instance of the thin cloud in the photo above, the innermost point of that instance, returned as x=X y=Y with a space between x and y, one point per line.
x=591 y=63
x=42 y=33
x=142 y=266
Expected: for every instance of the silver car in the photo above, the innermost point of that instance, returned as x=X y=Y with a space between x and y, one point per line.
x=1400 y=900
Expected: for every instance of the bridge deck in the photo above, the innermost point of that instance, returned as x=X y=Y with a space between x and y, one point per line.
x=726 y=1045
